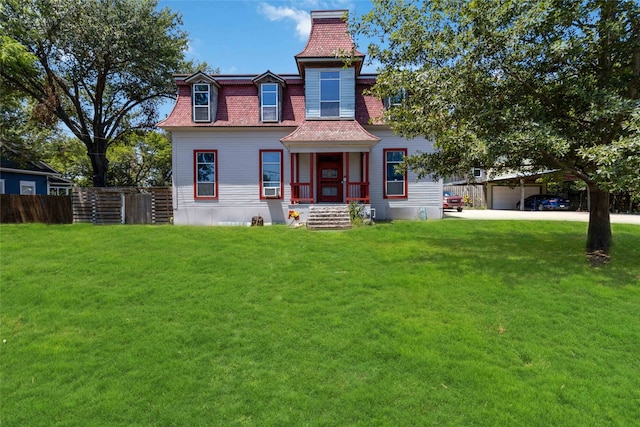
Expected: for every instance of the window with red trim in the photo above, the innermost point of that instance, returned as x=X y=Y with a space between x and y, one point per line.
x=205 y=174
x=271 y=172
x=395 y=183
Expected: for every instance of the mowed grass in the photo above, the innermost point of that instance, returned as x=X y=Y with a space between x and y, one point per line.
x=451 y=323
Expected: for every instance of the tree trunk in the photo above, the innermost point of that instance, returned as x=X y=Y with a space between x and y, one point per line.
x=599 y=234
x=99 y=164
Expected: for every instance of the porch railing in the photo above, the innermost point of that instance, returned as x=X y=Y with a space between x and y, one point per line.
x=358 y=192
x=301 y=192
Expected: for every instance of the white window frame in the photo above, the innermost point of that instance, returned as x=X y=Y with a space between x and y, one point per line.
x=335 y=78
x=394 y=179
x=269 y=88
x=196 y=180
x=280 y=164
x=196 y=90
x=31 y=184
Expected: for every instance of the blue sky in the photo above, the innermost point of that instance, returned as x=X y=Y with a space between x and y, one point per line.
x=253 y=36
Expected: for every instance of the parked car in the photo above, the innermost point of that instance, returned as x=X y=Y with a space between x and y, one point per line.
x=450 y=201
x=543 y=202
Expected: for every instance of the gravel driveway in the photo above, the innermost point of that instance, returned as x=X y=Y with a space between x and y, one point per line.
x=529 y=215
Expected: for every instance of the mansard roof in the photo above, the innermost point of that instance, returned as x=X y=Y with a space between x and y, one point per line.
x=238 y=103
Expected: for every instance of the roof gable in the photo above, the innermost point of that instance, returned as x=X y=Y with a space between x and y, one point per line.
x=269 y=77
x=199 y=77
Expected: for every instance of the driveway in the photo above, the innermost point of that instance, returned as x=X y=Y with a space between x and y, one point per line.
x=532 y=215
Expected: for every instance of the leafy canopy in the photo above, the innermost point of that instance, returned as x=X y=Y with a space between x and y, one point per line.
x=514 y=85
x=99 y=66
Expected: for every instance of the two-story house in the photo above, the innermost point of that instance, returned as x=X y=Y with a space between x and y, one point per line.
x=247 y=145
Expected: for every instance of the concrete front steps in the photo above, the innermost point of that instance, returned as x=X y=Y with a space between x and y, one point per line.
x=328 y=217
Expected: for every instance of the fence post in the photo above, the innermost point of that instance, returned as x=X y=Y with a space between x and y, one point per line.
x=122 y=208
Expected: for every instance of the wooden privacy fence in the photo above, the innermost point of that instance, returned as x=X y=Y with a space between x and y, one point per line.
x=122 y=205
x=476 y=194
x=15 y=208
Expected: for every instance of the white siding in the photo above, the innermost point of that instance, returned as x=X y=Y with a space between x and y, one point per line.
x=355 y=161
x=238 y=176
x=424 y=193
x=305 y=172
x=347 y=93
x=312 y=93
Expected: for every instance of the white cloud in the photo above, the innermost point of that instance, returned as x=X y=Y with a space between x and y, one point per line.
x=301 y=18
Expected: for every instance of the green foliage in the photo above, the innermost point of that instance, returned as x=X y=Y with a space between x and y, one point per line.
x=448 y=323
x=619 y=162
x=355 y=212
x=143 y=159
x=15 y=59
x=68 y=155
x=513 y=86
x=20 y=125
x=102 y=66
x=358 y=215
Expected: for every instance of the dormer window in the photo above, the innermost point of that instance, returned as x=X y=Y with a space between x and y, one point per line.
x=269 y=101
x=329 y=94
x=270 y=87
x=201 y=102
x=204 y=97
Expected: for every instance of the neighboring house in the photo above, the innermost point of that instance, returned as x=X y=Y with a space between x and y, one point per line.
x=248 y=145
x=20 y=175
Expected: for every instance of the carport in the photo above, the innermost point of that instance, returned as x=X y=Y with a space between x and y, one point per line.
x=504 y=191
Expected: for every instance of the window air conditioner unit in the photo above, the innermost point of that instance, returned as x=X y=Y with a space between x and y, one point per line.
x=271 y=192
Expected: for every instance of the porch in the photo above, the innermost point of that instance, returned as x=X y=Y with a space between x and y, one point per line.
x=330 y=162
x=330 y=178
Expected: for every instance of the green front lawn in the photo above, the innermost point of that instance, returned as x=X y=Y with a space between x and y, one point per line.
x=455 y=323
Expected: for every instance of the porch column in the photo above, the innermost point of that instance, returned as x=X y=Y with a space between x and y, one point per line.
x=346 y=179
x=312 y=177
x=366 y=176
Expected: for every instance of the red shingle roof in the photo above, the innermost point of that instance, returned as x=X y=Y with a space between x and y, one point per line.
x=238 y=105
x=329 y=36
x=330 y=131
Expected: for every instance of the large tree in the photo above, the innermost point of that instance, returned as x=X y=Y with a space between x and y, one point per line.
x=101 y=66
x=142 y=160
x=516 y=85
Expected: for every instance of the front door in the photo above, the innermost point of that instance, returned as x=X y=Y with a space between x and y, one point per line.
x=330 y=178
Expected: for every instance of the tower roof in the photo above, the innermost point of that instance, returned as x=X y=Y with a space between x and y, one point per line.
x=329 y=40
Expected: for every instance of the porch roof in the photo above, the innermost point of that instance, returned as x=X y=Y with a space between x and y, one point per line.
x=329 y=135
